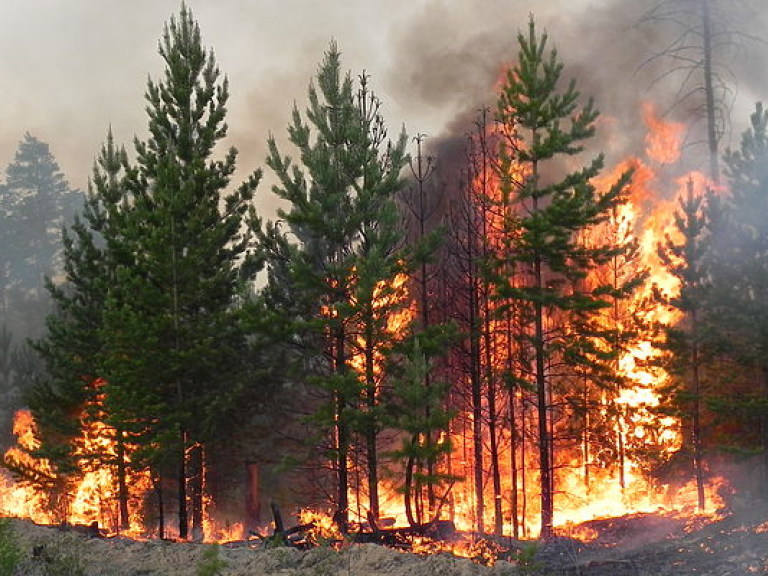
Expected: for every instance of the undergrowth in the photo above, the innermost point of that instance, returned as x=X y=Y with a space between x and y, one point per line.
x=211 y=564
x=10 y=551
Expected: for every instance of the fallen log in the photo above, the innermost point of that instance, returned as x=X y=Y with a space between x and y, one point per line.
x=399 y=538
x=294 y=537
x=440 y=530
x=91 y=529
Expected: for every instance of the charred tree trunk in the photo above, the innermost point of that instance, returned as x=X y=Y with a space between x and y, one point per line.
x=372 y=456
x=181 y=486
x=709 y=92
x=122 y=484
x=196 y=485
x=513 y=438
x=476 y=389
x=421 y=171
x=252 y=497
x=342 y=437
x=585 y=435
x=542 y=408
x=158 y=487
x=409 y=496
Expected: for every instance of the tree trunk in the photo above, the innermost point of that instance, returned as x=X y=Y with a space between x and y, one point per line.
x=498 y=519
x=158 y=486
x=585 y=436
x=709 y=92
x=512 y=435
x=409 y=495
x=182 y=488
x=372 y=456
x=122 y=484
x=342 y=438
x=197 y=487
x=697 y=441
x=252 y=498
x=477 y=403
x=542 y=396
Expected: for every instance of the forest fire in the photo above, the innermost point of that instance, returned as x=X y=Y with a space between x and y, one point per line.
x=588 y=484
x=507 y=383
x=536 y=343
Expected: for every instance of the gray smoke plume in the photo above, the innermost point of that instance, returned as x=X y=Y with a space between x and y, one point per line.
x=453 y=60
x=70 y=70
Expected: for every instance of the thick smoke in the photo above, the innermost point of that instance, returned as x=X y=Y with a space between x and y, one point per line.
x=453 y=60
x=73 y=69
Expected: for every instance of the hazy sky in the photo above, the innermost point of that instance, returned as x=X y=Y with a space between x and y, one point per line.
x=71 y=68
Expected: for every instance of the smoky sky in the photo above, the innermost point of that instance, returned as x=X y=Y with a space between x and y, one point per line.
x=70 y=70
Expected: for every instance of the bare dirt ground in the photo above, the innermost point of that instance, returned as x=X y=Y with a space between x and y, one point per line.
x=639 y=545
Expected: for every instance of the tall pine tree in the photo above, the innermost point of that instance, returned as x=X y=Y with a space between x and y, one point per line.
x=171 y=310
x=346 y=256
x=547 y=213
x=739 y=261
x=685 y=258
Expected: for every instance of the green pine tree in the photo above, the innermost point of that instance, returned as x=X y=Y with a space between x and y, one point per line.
x=547 y=214
x=62 y=398
x=739 y=267
x=687 y=339
x=35 y=202
x=172 y=309
x=345 y=256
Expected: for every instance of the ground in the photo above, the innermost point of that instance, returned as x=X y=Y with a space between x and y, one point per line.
x=640 y=545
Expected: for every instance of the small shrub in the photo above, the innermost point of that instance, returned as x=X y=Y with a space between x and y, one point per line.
x=526 y=559
x=10 y=552
x=211 y=564
x=60 y=558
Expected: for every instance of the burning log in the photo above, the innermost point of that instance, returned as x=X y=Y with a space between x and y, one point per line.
x=294 y=537
x=92 y=530
x=401 y=538
x=303 y=536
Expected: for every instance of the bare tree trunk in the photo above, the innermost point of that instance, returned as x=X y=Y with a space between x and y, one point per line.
x=542 y=396
x=182 y=487
x=409 y=495
x=158 y=487
x=196 y=488
x=421 y=171
x=513 y=438
x=342 y=437
x=697 y=441
x=372 y=456
x=709 y=91
x=122 y=484
x=252 y=497
x=476 y=389
x=585 y=436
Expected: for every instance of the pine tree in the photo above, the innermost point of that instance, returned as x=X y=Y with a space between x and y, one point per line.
x=685 y=259
x=547 y=215
x=63 y=402
x=347 y=255
x=36 y=202
x=172 y=308
x=422 y=200
x=740 y=282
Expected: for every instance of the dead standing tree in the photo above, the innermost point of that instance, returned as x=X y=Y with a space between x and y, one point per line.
x=701 y=37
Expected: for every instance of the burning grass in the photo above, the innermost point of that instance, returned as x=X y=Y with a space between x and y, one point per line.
x=661 y=544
